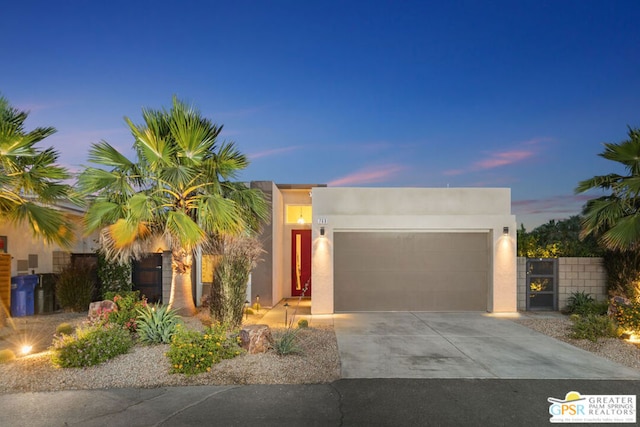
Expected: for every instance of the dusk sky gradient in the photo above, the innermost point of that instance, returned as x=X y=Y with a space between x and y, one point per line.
x=517 y=94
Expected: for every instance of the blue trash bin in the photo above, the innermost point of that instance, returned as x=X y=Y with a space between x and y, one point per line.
x=22 y=295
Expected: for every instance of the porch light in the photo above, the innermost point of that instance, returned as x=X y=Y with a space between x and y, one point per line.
x=322 y=231
x=505 y=230
x=286 y=313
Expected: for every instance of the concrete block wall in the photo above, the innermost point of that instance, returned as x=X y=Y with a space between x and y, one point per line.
x=167 y=274
x=522 y=283
x=574 y=275
x=581 y=274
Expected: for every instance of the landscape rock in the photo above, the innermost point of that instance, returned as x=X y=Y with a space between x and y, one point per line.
x=615 y=302
x=99 y=308
x=256 y=338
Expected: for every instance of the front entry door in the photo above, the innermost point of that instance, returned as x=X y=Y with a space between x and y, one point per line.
x=147 y=277
x=300 y=263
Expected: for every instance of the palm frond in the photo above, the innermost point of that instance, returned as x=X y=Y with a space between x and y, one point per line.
x=184 y=230
x=624 y=234
x=44 y=221
x=105 y=154
x=101 y=213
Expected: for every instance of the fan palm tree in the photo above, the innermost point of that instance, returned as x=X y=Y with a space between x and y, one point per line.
x=30 y=181
x=180 y=188
x=615 y=218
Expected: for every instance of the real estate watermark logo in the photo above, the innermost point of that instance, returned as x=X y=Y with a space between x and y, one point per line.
x=606 y=408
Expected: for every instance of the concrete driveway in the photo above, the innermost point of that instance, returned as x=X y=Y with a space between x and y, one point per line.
x=459 y=345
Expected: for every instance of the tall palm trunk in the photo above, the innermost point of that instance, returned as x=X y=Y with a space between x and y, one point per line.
x=181 y=294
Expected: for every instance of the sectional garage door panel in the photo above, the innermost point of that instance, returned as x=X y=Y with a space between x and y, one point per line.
x=399 y=271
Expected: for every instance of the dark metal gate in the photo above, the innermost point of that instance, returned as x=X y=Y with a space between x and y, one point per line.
x=147 y=277
x=542 y=284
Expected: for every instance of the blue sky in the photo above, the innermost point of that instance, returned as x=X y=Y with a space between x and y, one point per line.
x=517 y=94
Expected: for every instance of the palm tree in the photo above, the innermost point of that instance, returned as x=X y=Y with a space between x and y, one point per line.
x=615 y=218
x=180 y=188
x=30 y=181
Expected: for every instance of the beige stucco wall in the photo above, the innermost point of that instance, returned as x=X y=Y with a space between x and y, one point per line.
x=420 y=210
x=277 y=247
x=21 y=243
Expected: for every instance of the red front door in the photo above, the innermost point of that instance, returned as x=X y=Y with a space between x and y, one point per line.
x=300 y=263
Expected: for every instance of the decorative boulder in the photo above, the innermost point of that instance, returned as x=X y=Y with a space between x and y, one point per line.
x=615 y=302
x=256 y=338
x=98 y=309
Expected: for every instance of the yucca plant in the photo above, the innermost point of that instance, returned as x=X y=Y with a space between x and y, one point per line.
x=157 y=324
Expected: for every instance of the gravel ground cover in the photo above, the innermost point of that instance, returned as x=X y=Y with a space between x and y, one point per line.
x=559 y=327
x=147 y=366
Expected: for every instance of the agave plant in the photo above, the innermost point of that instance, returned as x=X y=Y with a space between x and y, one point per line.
x=157 y=324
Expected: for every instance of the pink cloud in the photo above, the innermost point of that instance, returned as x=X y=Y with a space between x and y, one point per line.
x=273 y=152
x=501 y=158
x=368 y=175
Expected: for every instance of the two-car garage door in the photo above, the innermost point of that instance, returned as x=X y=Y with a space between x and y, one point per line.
x=402 y=271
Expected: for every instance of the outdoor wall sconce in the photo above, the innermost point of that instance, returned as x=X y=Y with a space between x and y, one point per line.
x=505 y=230
x=322 y=231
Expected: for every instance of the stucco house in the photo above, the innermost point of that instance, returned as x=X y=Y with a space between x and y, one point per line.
x=348 y=249
x=389 y=249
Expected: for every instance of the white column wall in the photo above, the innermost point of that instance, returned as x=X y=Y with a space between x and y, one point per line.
x=416 y=210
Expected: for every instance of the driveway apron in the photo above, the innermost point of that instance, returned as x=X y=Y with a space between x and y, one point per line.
x=460 y=345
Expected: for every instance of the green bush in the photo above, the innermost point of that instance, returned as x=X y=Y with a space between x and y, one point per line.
x=156 y=324
x=64 y=328
x=75 y=287
x=193 y=352
x=126 y=314
x=577 y=301
x=303 y=323
x=592 y=327
x=628 y=316
x=90 y=346
x=113 y=276
x=287 y=342
x=7 y=355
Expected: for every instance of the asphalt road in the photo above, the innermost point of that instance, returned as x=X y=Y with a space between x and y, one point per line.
x=347 y=402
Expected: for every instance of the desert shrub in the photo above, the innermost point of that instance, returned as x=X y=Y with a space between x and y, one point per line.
x=628 y=316
x=592 y=327
x=75 y=287
x=156 y=323
x=64 y=329
x=583 y=304
x=577 y=300
x=7 y=355
x=126 y=314
x=287 y=342
x=303 y=323
x=90 y=346
x=237 y=256
x=193 y=352
x=113 y=276
x=623 y=273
